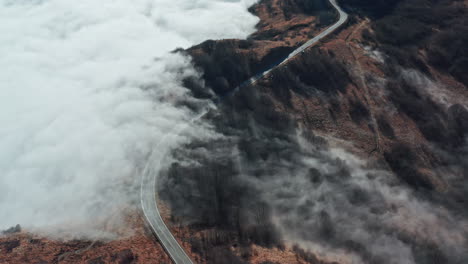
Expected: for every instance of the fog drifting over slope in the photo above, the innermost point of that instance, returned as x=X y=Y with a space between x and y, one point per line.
x=86 y=88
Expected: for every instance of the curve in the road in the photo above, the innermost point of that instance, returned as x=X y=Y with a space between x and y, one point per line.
x=148 y=195
x=151 y=170
x=343 y=17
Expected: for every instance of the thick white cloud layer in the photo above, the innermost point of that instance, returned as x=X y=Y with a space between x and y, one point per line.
x=75 y=119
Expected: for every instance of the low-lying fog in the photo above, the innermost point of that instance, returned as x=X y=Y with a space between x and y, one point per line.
x=86 y=89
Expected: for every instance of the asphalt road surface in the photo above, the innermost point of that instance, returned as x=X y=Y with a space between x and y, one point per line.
x=343 y=16
x=148 y=196
x=150 y=172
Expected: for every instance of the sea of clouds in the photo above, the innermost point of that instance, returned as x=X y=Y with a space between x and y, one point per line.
x=87 y=88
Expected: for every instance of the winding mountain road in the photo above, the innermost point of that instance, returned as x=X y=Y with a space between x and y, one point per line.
x=151 y=170
x=148 y=194
x=343 y=17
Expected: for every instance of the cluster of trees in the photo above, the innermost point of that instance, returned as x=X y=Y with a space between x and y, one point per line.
x=306 y=255
x=213 y=250
x=11 y=230
x=320 y=8
x=310 y=7
x=314 y=71
x=226 y=64
x=449 y=50
x=8 y=246
x=213 y=197
x=223 y=67
x=403 y=161
x=211 y=192
x=385 y=128
x=402 y=30
x=428 y=115
x=358 y=111
x=446 y=128
x=374 y=8
x=421 y=34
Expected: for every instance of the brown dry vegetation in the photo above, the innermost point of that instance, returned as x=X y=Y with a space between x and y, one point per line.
x=141 y=247
x=284 y=25
x=349 y=92
x=340 y=90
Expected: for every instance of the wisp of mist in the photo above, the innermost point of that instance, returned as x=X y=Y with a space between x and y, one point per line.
x=86 y=89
